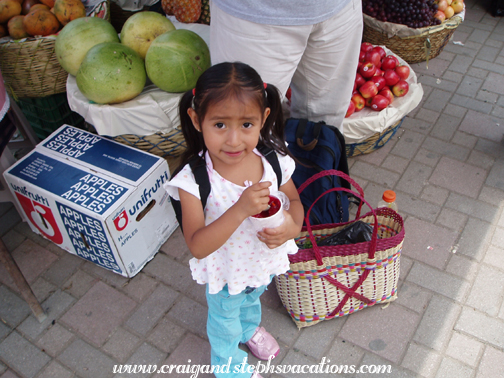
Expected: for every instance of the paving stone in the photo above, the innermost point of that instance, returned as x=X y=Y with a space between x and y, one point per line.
x=473 y=207
x=22 y=356
x=42 y=289
x=55 y=370
x=437 y=323
x=446 y=149
x=190 y=352
x=386 y=368
x=283 y=328
x=147 y=356
x=170 y=272
x=79 y=284
x=495 y=257
x=465 y=349
x=9 y=374
x=413 y=297
x=481 y=326
x=414 y=179
x=140 y=287
x=343 y=352
x=434 y=194
x=12 y=239
x=462 y=267
x=491 y=363
x=32 y=260
x=9 y=220
x=13 y=309
x=446 y=127
x=428 y=243
x=465 y=140
x=196 y=322
x=495 y=177
x=154 y=307
x=4 y=331
x=271 y=298
x=176 y=246
x=475 y=239
x=86 y=361
x=471 y=103
x=3 y=368
x=438 y=281
x=362 y=330
x=428 y=116
x=482 y=125
x=426 y=157
x=55 y=340
x=54 y=306
x=487 y=290
x=378 y=175
x=316 y=340
x=459 y=177
x=395 y=163
x=452 y=368
x=61 y=270
x=421 y=360
x=166 y=335
x=452 y=219
x=98 y=313
x=408 y=145
x=121 y=344
x=494 y=83
x=481 y=160
x=437 y=100
x=469 y=86
x=113 y=279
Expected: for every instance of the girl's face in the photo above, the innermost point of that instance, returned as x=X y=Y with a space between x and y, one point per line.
x=231 y=129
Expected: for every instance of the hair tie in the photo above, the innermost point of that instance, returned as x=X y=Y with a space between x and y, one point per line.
x=194 y=91
x=265 y=85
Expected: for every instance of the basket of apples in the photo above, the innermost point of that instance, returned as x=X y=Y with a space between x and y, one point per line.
x=385 y=91
x=415 y=30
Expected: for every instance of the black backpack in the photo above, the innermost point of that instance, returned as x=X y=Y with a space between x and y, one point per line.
x=319 y=147
x=198 y=167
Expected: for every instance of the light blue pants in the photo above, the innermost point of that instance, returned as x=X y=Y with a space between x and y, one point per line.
x=232 y=319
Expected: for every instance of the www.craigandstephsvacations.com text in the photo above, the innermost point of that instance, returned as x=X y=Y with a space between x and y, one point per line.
x=324 y=367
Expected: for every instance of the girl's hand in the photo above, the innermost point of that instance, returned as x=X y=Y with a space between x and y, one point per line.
x=254 y=199
x=275 y=237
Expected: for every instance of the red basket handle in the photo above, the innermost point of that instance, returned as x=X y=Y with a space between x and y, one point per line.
x=360 y=195
x=334 y=172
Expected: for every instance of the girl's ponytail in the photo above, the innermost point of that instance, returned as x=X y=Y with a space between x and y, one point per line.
x=273 y=132
x=193 y=138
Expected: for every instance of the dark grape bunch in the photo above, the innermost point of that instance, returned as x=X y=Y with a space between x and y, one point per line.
x=412 y=13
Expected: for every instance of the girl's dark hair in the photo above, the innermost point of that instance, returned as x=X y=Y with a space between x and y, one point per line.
x=225 y=80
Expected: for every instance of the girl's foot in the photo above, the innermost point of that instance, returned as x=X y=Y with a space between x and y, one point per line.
x=256 y=375
x=262 y=345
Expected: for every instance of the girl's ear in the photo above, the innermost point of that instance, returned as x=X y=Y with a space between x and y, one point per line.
x=267 y=112
x=194 y=118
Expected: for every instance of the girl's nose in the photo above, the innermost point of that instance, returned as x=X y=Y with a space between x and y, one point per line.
x=233 y=137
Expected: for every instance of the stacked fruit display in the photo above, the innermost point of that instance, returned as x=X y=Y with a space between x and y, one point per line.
x=379 y=78
x=414 y=14
x=29 y=18
x=109 y=69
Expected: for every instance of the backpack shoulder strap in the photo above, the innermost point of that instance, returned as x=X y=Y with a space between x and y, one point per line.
x=272 y=158
x=198 y=167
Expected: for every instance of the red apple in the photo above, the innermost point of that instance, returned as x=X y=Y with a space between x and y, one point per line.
x=368 y=89
x=403 y=72
x=380 y=51
x=359 y=65
x=366 y=46
x=358 y=101
x=350 y=110
x=359 y=80
x=440 y=16
x=391 y=77
x=374 y=57
x=389 y=63
x=378 y=72
x=379 y=103
x=387 y=93
x=367 y=70
x=368 y=101
x=400 y=89
x=442 y=5
x=362 y=56
x=379 y=81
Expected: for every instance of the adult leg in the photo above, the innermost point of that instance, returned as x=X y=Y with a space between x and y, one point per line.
x=273 y=51
x=323 y=83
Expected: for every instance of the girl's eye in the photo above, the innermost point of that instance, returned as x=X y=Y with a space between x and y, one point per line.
x=220 y=125
x=247 y=125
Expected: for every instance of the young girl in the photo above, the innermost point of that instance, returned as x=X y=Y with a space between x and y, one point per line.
x=223 y=119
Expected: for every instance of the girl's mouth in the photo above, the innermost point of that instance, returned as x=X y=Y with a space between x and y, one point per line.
x=233 y=154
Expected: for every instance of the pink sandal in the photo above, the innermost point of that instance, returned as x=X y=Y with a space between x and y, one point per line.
x=262 y=345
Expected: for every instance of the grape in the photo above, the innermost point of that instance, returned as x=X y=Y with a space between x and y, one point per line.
x=412 y=13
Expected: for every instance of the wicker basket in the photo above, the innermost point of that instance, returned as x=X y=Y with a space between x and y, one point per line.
x=374 y=142
x=30 y=68
x=415 y=48
x=171 y=144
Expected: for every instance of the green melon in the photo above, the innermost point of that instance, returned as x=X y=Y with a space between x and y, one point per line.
x=77 y=37
x=111 y=73
x=176 y=59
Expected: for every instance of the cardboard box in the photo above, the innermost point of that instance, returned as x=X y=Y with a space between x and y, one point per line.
x=96 y=198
